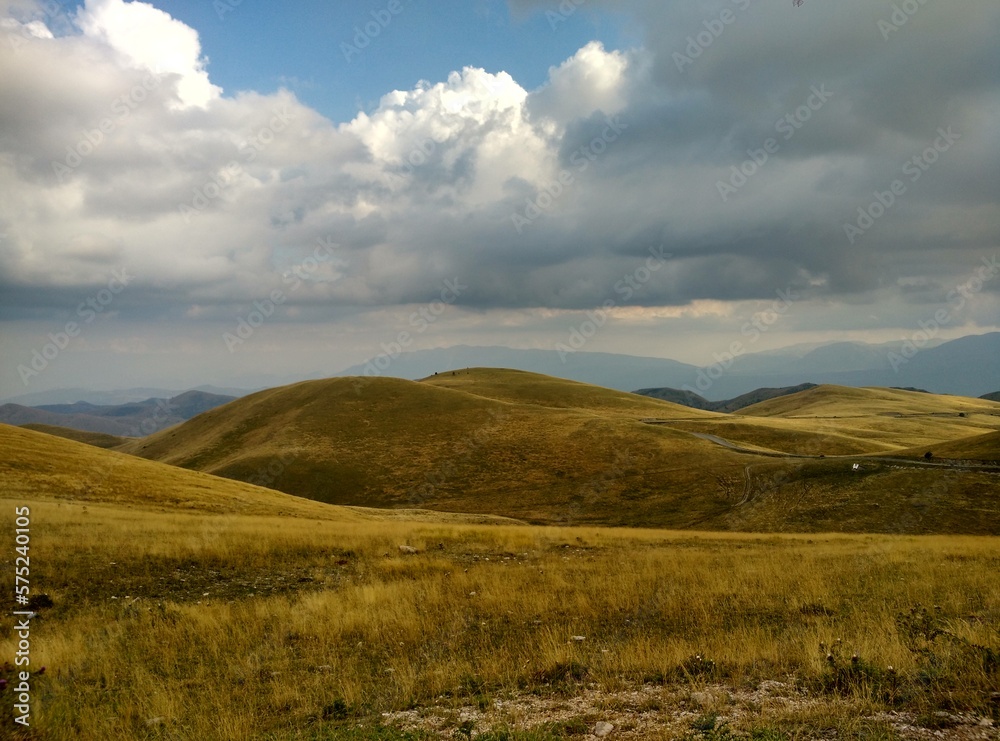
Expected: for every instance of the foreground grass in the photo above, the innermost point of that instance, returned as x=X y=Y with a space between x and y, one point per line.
x=201 y=626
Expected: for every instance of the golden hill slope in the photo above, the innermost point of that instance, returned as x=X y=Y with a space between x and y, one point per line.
x=41 y=467
x=523 y=387
x=97 y=439
x=873 y=420
x=830 y=401
x=975 y=448
x=386 y=442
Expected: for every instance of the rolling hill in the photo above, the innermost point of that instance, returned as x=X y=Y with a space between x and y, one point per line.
x=42 y=467
x=523 y=445
x=840 y=401
x=97 y=439
x=985 y=448
x=551 y=451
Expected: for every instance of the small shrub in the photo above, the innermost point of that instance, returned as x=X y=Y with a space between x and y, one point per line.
x=336 y=710
x=698 y=666
x=561 y=672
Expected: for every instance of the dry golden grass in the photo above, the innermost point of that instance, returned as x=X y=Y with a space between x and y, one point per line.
x=975 y=448
x=830 y=401
x=98 y=439
x=247 y=627
x=191 y=607
x=522 y=387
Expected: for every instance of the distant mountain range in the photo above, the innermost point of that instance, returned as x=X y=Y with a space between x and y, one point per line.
x=696 y=401
x=969 y=366
x=134 y=419
x=114 y=397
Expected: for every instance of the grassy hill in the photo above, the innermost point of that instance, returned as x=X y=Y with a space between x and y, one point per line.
x=843 y=401
x=550 y=451
x=43 y=467
x=877 y=419
x=97 y=439
x=976 y=448
x=523 y=387
x=535 y=448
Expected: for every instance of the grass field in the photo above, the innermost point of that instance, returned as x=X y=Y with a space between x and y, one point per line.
x=201 y=626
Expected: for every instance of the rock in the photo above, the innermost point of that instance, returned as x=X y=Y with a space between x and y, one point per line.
x=986 y=722
x=603 y=728
x=153 y=722
x=408 y=550
x=578 y=639
x=702 y=698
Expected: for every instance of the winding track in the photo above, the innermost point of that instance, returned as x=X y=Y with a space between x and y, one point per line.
x=914 y=462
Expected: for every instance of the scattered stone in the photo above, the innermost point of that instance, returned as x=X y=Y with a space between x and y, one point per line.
x=578 y=639
x=408 y=549
x=986 y=722
x=154 y=722
x=702 y=698
x=603 y=728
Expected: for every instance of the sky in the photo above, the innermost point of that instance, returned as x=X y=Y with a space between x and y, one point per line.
x=230 y=192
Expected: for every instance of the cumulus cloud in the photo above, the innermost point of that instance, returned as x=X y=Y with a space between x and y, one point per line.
x=148 y=38
x=117 y=149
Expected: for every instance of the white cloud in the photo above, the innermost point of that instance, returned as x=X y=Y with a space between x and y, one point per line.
x=149 y=38
x=591 y=80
